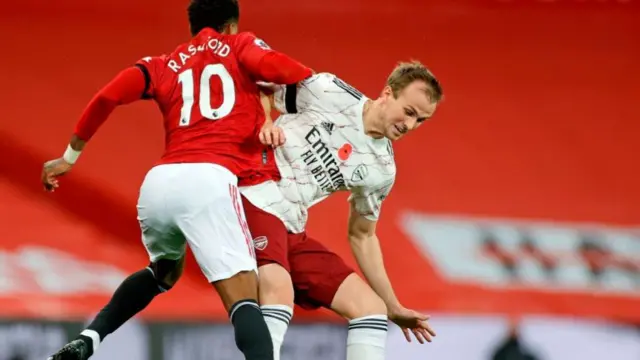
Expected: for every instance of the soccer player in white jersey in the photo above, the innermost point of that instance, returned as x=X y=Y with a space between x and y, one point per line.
x=329 y=138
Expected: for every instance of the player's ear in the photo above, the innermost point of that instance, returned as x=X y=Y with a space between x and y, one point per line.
x=387 y=92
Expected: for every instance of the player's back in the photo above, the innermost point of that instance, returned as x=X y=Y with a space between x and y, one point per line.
x=210 y=104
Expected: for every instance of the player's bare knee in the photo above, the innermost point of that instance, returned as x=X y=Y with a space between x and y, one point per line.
x=366 y=304
x=355 y=299
x=372 y=305
x=276 y=286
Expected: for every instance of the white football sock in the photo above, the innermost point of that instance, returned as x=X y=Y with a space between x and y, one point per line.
x=367 y=338
x=277 y=318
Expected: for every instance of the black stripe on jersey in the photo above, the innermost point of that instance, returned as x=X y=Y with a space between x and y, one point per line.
x=348 y=88
x=290 y=98
x=147 y=80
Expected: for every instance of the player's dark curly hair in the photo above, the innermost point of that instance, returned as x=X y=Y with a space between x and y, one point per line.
x=215 y=14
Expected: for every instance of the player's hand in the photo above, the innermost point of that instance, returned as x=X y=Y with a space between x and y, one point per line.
x=271 y=135
x=51 y=171
x=410 y=320
x=267 y=88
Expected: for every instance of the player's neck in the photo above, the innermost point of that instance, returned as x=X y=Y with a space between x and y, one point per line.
x=372 y=120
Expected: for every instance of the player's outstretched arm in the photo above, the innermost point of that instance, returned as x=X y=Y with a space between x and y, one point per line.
x=279 y=68
x=128 y=86
x=366 y=249
x=269 y=65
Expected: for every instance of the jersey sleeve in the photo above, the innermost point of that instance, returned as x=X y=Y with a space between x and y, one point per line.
x=323 y=92
x=306 y=95
x=368 y=202
x=285 y=98
x=152 y=69
x=268 y=65
x=128 y=86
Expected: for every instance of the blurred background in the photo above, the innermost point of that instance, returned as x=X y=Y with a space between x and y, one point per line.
x=514 y=220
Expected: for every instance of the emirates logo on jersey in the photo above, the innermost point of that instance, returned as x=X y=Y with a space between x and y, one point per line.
x=322 y=163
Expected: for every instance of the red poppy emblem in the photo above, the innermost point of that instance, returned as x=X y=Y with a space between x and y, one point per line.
x=345 y=151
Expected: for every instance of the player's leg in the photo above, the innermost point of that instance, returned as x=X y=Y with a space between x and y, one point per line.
x=133 y=295
x=276 y=302
x=270 y=238
x=165 y=245
x=239 y=294
x=216 y=231
x=321 y=278
x=367 y=315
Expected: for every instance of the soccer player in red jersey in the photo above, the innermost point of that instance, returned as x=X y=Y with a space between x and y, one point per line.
x=206 y=90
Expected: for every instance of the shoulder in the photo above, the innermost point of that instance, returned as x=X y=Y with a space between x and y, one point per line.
x=249 y=38
x=380 y=168
x=242 y=39
x=381 y=188
x=152 y=66
x=153 y=60
x=328 y=92
x=321 y=80
x=332 y=91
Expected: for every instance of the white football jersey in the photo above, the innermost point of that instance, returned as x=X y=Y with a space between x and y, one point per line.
x=326 y=150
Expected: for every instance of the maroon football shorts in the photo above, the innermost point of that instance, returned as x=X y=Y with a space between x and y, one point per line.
x=317 y=272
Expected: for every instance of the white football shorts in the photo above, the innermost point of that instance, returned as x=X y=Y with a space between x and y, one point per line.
x=198 y=204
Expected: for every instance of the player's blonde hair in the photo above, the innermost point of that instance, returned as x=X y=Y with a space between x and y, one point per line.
x=406 y=73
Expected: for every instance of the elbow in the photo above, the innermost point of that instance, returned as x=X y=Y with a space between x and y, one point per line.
x=103 y=102
x=357 y=238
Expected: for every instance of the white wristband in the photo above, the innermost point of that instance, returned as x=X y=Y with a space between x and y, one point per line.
x=70 y=155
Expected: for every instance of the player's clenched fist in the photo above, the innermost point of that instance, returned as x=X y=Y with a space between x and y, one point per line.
x=50 y=172
x=271 y=135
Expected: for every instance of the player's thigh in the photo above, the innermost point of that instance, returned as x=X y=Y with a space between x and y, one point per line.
x=275 y=285
x=355 y=299
x=317 y=272
x=270 y=239
x=161 y=235
x=213 y=222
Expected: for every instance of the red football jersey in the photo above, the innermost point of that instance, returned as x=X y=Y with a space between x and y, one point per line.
x=207 y=92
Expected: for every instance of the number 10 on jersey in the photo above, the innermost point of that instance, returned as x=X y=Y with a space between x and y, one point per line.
x=204 y=102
